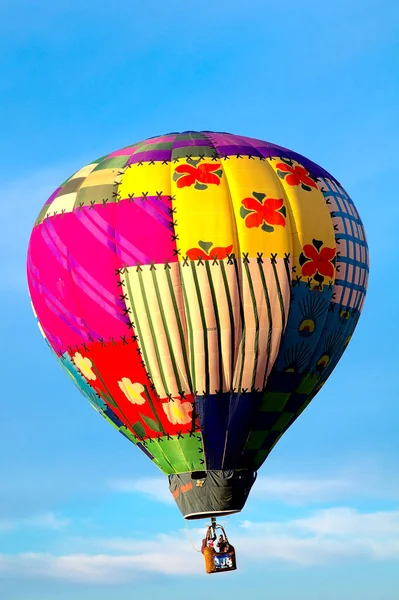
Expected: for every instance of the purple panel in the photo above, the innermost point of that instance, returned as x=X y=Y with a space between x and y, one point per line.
x=198 y=142
x=149 y=155
x=246 y=150
x=231 y=144
x=123 y=152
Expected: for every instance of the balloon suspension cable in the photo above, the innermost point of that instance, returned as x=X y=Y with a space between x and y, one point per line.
x=190 y=539
x=212 y=528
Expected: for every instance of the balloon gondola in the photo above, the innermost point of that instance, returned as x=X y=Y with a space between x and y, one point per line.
x=199 y=289
x=219 y=554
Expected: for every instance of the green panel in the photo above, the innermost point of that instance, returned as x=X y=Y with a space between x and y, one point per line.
x=193 y=151
x=305 y=404
x=175 y=455
x=283 y=421
x=113 y=162
x=274 y=401
x=96 y=194
x=127 y=433
x=260 y=457
x=307 y=384
x=72 y=185
x=256 y=439
x=274 y=444
x=159 y=146
x=189 y=135
x=179 y=454
x=98 y=160
x=159 y=457
x=192 y=448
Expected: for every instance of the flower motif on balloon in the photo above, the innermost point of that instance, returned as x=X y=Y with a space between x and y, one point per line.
x=266 y=213
x=206 y=252
x=178 y=412
x=132 y=391
x=84 y=365
x=198 y=174
x=318 y=262
x=295 y=175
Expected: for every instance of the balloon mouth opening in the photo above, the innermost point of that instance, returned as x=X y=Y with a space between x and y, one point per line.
x=203 y=494
x=208 y=514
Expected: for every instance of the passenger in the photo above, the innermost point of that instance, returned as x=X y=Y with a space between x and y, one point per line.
x=207 y=541
x=222 y=545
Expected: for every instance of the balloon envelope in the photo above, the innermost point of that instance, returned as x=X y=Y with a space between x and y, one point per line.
x=199 y=288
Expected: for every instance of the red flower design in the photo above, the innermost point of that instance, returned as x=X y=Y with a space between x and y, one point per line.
x=296 y=175
x=204 y=173
x=218 y=252
x=318 y=261
x=267 y=212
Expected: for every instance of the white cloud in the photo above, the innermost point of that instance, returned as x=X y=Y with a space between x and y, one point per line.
x=104 y=568
x=283 y=489
x=325 y=536
x=346 y=521
x=42 y=521
x=349 y=481
x=299 y=491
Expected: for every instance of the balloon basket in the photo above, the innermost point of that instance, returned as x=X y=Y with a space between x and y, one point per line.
x=218 y=561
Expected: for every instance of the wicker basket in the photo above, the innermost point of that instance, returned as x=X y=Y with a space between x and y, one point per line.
x=219 y=562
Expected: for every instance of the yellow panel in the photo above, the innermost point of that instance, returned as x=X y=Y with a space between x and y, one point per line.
x=146 y=178
x=101 y=177
x=310 y=216
x=213 y=215
x=64 y=203
x=84 y=172
x=204 y=215
x=246 y=177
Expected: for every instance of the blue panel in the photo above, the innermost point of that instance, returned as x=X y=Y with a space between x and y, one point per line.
x=222 y=413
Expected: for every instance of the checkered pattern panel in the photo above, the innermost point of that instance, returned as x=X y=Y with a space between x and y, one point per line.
x=352 y=251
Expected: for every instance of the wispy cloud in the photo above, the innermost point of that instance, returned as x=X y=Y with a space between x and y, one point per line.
x=328 y=535
x=154 y=487
x=322 y=537
x=47 y=520
x=100 y=568
x=292 y=491
x=299 y=491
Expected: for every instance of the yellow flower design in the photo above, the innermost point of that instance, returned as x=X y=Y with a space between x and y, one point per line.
x=84 y=365
x=132 y=391
x=178 y=412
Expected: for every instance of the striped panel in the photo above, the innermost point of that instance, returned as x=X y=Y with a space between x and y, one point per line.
x=208 y=327
x=155 y=302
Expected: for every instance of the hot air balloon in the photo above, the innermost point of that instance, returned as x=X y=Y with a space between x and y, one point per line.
x=199 y=288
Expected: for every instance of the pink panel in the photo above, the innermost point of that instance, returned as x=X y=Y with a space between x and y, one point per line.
x=147 y=225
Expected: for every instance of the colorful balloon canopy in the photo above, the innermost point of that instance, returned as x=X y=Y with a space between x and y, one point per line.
x=199 y=288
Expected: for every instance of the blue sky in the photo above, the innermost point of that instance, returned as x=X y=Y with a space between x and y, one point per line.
x=82 y=514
